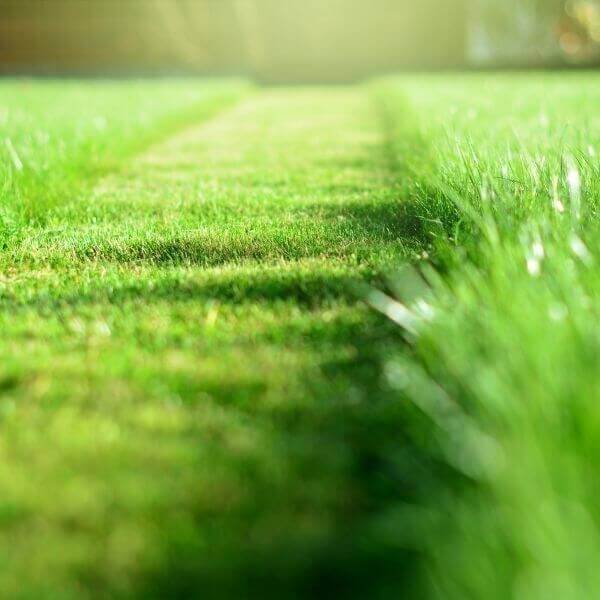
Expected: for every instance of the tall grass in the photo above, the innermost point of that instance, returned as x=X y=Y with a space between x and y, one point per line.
x=505 y=342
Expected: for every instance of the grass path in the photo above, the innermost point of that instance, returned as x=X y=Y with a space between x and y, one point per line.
x=195 y=402
x=181 y=362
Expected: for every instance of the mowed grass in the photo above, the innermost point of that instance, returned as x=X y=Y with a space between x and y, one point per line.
x=199 y=392
x=57 y=135
x=184 y=348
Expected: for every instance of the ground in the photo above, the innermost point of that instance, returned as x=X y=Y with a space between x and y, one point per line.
x=201 y=389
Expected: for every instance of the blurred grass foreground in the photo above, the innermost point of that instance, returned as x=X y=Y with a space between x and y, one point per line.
x=296 y=341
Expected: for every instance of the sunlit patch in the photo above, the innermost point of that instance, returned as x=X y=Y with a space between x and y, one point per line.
x=535 y=258
x=534 y=267
x=580 y=250
x=100 y=123
x=557 y=204
x=538 y=250
x=574 y=185
x=558 y=312
x=102 y=329
x=13 y=154
x=394 y=310
x=424 y=309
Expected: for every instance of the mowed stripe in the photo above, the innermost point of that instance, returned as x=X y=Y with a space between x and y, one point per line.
x=183 y=334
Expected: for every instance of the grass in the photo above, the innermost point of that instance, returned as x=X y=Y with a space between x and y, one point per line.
x=178 y=347
x=505 y=356
x=195 y=397
x=57 y=135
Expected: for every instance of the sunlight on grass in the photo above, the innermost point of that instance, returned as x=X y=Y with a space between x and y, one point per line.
x=57 y=133
x=507 y=370
x=300 y=341
x=180 y=338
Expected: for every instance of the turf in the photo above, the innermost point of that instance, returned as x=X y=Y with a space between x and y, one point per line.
x=177 y=339
x=202 y=391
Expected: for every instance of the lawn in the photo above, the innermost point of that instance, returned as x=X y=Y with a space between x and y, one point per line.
x=503 y=172
x=292 y=342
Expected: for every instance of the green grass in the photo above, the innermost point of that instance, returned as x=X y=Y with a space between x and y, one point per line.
x=505 y=359
x=58 y=135
x=195 y=398
x=180 y=357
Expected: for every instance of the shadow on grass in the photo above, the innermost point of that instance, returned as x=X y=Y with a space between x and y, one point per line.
x=326 y=516
x=338 y=523
x=306 y=289
x=371 y=235
x=320 y=231
x=329 y=519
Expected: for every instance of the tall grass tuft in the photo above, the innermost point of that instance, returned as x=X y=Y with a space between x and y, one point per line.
x=506 y=362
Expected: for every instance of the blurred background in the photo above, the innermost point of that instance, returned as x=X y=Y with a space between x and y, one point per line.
x=293 y=40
